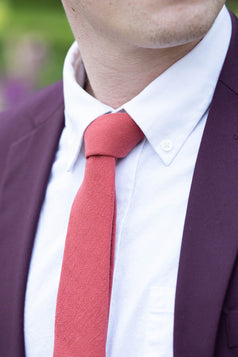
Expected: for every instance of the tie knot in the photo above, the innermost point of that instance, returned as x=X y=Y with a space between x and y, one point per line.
x=113 y=134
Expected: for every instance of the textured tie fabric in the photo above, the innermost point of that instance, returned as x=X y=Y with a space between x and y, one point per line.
x=86 y=278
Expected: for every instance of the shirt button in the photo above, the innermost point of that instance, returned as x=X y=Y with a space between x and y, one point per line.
x=166 y=145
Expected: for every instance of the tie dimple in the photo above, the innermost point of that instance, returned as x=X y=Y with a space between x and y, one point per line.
x=86 y=277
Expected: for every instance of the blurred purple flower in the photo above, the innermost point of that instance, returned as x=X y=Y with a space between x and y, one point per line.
x=25 y=60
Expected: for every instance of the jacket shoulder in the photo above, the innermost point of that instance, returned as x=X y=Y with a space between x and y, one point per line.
x=31 y=113
x=19 y=122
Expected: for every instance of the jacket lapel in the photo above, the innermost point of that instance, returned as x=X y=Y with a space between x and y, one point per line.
x=210 y=243
x=25 y=180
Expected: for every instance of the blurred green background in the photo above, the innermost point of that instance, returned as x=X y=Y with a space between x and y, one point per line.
x=34 y=38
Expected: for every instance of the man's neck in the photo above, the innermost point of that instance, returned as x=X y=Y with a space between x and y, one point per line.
x=117 y=77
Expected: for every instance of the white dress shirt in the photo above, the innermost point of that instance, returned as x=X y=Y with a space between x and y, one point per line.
x=152 y=184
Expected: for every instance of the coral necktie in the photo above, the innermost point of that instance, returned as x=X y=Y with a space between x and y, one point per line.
x=86 y=278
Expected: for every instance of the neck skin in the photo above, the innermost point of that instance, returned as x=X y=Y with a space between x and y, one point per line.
x=120 y=76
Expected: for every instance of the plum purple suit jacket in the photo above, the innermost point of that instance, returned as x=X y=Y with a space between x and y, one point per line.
x=206 y=306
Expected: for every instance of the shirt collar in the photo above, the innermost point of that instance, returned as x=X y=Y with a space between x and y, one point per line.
x=168 y=109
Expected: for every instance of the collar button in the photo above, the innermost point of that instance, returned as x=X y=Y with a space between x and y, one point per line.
x=166 y=145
